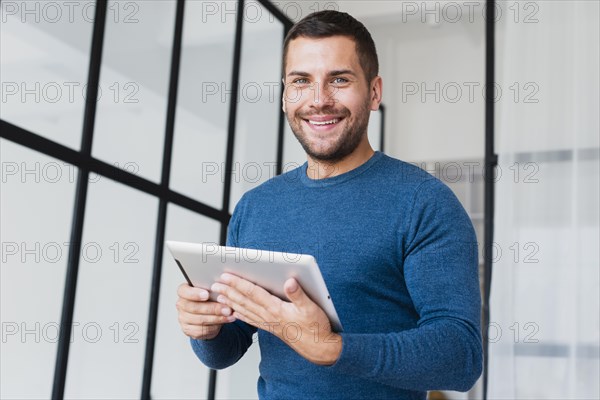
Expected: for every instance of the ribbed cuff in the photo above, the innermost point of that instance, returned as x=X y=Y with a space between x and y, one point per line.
x=354 y=359
x=215 y=352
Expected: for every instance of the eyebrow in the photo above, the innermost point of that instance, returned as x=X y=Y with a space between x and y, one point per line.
x=298 y=73
x=331 y=73
x=342 y=72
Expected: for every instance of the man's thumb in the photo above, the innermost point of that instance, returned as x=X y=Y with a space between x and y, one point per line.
x=294 y=292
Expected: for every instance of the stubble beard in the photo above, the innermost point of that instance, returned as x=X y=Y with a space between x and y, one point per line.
x=345 y=144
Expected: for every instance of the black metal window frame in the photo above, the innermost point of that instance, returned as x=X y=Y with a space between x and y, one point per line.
x=86 y=164
x=490 y=162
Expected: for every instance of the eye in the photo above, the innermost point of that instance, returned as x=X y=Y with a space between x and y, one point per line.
x=340 y=81
x=300 y=81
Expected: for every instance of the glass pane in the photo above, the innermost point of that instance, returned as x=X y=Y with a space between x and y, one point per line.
x=203 y=101
x=131 y=113
x=177 y=372
x=113 y=292
x=36 y=205
x=44 y=57
x=432 y=96
x=255 y=155
x=477 y=190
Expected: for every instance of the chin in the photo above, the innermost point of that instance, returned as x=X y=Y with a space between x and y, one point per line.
x=333 y=154
x=326 y=151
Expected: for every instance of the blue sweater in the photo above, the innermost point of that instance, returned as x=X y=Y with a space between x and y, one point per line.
x=399 y=256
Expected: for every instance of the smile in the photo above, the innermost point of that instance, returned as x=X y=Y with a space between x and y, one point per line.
x=330 y=122
x=322 y=123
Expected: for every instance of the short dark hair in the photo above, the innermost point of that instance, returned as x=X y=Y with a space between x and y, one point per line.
x=327 y=23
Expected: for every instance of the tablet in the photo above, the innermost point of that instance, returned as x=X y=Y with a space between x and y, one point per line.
x=203 y=263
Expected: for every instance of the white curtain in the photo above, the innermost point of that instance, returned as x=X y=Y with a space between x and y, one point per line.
x=544 y=322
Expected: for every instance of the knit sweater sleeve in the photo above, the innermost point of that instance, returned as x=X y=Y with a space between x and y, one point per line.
x=235 y=338
x=440 y=265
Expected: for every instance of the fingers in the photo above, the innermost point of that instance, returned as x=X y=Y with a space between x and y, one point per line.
x=188 y=292
x=250 y=318
x=186 y=318
x=245 y=294
x=203 y=332
x=203 y=308
x=202 y=320
x=193 y=309
x=198 y=317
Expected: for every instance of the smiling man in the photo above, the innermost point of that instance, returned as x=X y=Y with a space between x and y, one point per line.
x=394 y=245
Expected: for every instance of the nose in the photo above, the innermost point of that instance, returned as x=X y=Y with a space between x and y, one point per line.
x=323 y=94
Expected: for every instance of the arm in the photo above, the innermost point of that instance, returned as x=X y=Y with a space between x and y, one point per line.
x=440 y=268
x=234 y=339
x=227 y=347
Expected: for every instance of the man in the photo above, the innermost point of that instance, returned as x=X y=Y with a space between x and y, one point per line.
x=395 y=247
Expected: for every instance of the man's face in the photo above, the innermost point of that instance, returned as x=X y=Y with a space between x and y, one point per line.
x=327 y=100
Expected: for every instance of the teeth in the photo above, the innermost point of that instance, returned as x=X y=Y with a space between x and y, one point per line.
x=333 y=121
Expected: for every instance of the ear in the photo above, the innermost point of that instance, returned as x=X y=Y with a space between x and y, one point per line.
x=283 y=97
x=376 y=92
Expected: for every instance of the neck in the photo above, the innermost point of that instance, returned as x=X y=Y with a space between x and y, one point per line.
x=318 y=169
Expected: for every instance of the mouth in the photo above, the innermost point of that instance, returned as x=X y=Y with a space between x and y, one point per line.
x=322 y=123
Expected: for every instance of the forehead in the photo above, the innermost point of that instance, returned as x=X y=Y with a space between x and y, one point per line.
x=315 y=55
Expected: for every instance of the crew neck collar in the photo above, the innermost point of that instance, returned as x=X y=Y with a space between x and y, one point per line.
x=334 y=180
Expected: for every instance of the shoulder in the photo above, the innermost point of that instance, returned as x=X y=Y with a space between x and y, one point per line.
x=434 y=205
x=410 y=177
x=425 y=193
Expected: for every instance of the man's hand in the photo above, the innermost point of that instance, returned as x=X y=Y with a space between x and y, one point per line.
x=198 y=317
x=300 y=323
